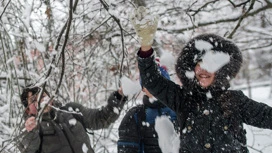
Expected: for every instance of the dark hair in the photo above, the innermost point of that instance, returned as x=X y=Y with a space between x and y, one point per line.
x=30 y=88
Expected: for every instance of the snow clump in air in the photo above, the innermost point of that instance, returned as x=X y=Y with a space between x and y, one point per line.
x=212 y=60
x=168 y=138
x=84 y=148
x=130 y=87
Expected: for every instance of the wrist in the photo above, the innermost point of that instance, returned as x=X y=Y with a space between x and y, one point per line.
x=145 y=54
x=145 y=48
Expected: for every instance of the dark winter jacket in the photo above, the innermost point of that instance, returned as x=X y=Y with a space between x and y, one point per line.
x=135 y=137
x=64 y=130
x=211 y=119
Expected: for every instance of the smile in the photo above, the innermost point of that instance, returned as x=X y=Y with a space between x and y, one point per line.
x=204 y=76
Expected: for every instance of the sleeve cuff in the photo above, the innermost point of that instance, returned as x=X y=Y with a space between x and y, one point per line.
x=145 y=54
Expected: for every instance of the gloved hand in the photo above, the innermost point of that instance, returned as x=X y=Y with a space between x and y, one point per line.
x=145 y=25
x=117 y=99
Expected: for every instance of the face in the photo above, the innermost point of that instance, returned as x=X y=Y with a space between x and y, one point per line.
x=204 y=77
x=33 y=105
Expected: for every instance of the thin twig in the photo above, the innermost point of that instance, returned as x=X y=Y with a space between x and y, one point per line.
x=64 y=44
x=238 y=5
x=4 y=9
x=218 y=21
x=106 y=6
x=241 y=19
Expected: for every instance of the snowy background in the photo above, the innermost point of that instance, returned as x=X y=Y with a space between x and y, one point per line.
x=82 y=48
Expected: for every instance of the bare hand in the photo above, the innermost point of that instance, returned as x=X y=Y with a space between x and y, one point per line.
x=30 y=123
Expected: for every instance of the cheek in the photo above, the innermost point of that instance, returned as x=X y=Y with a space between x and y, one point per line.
x=32 y=109
x=213 y=77
x=197 y=68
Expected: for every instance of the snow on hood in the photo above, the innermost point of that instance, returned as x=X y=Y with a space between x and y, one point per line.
x=216 y=54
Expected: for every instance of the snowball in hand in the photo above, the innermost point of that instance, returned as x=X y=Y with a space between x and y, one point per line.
x=129 y=87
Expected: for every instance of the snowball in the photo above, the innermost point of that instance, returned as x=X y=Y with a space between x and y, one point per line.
x=213 y=61
x=84 y=148
x=70 y=109
x=209 y=95
x=167 y=59
x=72 y=121
x=129 y=87
x=203 y=45
x=168 y=139
x=115 y=110
x=190 y=74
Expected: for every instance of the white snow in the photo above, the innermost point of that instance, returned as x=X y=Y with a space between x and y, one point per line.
x=40 y=47
x=84 y=148
x=168 y=139
x=203 y=45
x=70 y=109
x=211 y=60
x=167 y=59
x=44 y=102
x=72 y=121
x=130 y=87
x=209 y=95
x=115 y=110
x=145 y=124
x=190 y=74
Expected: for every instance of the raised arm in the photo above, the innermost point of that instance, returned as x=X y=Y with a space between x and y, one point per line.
x=254 y=113
x=145 y=25
x=165 y=90
x=100 y=118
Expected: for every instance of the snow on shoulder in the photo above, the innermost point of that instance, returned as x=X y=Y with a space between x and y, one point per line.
x=211 y=60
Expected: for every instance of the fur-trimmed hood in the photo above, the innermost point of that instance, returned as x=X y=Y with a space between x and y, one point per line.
x=190 y=55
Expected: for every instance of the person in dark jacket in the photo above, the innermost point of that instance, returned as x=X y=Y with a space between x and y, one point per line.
x=211 y=114
x=137 y=132
x=63 y=129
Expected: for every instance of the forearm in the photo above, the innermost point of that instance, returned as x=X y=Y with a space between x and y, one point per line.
x=165 y=90
x=255 y=113
x=145 y=48
x=101 y=118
